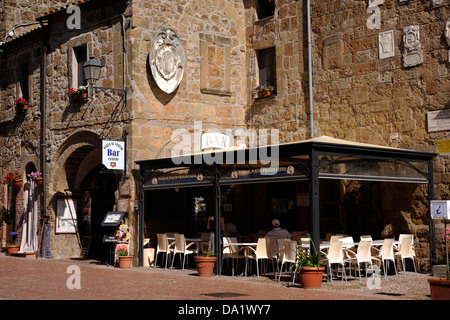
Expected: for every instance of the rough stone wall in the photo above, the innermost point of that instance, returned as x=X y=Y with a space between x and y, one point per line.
x=288 y=110
x=18 y=12
x=360 y=97
x=213 y=88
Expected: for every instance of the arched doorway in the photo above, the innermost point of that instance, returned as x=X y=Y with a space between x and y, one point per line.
x=97 y=189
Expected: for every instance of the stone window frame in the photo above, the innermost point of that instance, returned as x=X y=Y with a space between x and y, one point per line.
x=204 y=40
x=24 y=60
x=76 y=42
x=258 y=68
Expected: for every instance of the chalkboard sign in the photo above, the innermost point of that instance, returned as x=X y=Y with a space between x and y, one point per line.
x=85 y=247
x=110 y=239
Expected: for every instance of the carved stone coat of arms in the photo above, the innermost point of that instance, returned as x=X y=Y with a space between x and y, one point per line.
x=167 y=60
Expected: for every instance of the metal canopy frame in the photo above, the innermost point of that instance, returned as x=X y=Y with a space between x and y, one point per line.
x=307 y=151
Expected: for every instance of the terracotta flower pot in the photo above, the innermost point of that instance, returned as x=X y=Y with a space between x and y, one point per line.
x=125 y=261
x=311 y=277
x=439 y=288
x=262 y=94
x=39 y=181
x=13 y=248
x=18 y=184
x=205 y=265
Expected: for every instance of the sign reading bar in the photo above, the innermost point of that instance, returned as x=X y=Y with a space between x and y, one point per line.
x=215 y=140
x=439 y=120
x=113 y=154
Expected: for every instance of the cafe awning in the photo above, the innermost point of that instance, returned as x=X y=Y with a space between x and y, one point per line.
x=317 y=158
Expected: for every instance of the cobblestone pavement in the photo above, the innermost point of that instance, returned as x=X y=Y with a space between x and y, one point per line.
x=46 y=279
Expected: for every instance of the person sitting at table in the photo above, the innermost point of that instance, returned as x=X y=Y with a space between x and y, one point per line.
x=277 y=230
x=230 y=228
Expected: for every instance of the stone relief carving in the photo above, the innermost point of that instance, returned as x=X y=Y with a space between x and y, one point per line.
x=436 y=2
x=447 y=31
x=386 y=44
x=412 y=51
x=167 y=60
x=447 y=35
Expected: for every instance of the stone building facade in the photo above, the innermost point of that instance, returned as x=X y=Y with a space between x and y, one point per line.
x=371 y=84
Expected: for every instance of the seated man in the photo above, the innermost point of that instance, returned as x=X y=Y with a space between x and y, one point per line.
x=277 y=230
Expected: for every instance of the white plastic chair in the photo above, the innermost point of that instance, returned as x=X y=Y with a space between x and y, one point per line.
x=182 y=248
x=289 y=255
x=363 y=255
x=366 y=238
x=386 y=253
x=162 y=247
x=260 y=253
x=406 y=251
x=274 y=245
x=305 y=243
x=335 y=255
x=231 y=251
x=335 y=238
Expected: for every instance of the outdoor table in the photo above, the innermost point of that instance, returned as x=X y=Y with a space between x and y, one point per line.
x=197 y=240
x=246 y=245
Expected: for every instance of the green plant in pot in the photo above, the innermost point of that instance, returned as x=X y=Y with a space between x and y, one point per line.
x=124 y=258
x=309 y=267
x=13 y=245
x=205 y=263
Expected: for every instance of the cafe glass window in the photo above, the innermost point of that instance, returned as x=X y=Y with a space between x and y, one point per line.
x=267 y=67
x=265 y=8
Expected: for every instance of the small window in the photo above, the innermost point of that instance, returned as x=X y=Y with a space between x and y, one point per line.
x=265 y=8
x=80 y=55
x=267 y=67
x=25 y=81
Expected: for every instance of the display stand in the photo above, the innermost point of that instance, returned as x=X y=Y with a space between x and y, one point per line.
x=112 y=219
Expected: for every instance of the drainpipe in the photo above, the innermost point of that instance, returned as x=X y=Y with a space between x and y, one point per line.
x=43 y=101
x=311 y=103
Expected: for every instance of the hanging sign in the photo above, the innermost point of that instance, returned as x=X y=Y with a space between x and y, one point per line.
x=215 y=140
x=113 y=154
x=440 y=209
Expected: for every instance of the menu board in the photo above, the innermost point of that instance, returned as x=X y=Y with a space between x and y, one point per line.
x=66 y=215
x=112 y=218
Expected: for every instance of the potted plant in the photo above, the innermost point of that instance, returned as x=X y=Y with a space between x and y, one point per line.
x=13 y=178
x=124 y=258
x=309 y=267
x=36 y=176
x=440 y=287
x=263 y=91
x=76 y=94
x=13 y=246
x=21 y=104
x=205 y=263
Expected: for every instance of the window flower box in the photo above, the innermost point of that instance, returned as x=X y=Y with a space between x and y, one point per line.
x=77 y=94
x=21 y=104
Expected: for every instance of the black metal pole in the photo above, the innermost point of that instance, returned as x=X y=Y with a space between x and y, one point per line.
x=431 y=221
x=217 y=231
x=141 y=216
x=314 y=198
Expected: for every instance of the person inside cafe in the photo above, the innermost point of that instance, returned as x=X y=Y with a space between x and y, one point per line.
x=277 y=230
x=230 y=228
x=211 y=226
